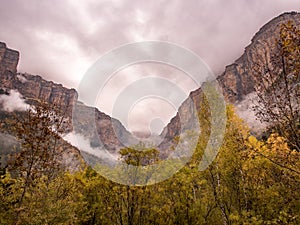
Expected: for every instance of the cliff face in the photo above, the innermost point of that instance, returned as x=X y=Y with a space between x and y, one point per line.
x=110 y=133
x=8 y=59
x=33 y=87
x=237 y=81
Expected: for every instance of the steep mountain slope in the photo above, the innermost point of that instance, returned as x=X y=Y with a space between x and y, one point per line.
x=237 y=81
x=33 y=87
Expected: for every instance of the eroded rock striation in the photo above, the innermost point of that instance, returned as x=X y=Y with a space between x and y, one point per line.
x=237 y=79
x=8 y=59
x=32 y=86
x=237 y=82
x=111 y=132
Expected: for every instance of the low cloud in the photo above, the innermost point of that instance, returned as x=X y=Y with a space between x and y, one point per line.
x=245 y=110
x=13 y=102
x=83 y=144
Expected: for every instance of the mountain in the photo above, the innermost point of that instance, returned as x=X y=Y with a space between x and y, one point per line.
x=236 y=81
x=23 y=88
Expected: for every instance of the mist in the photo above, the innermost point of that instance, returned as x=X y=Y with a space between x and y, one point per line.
x=13 y=102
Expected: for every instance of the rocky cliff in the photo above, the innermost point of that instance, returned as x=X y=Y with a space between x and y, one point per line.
x=35 y=87
x=111 y=132
x=102 y=131
x=30 y=86
x=237 y=81
x=8 y=59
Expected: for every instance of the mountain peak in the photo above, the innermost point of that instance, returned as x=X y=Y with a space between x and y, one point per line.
x=9 y=59
x=237 y=82
x=274 y=23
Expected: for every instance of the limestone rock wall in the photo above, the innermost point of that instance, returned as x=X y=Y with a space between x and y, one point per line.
x=33 y=87
x=8 y=59
x=237 y=80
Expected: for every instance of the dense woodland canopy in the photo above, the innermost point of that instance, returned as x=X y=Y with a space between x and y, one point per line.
x=252 y=180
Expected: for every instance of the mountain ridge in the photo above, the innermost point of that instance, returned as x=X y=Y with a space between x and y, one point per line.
x=236 y=83
x=35 y=87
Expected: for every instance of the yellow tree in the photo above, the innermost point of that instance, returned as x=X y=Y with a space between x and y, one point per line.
x=272 y=181
x=38 y=131
x=277 y=85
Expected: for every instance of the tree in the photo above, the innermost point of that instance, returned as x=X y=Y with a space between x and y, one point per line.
x=136 y=159
x=277 y=85
x=253 y=182
x=139 y=155
x=9 y=194
x=2 y=169
x=38 y=131
x=271 y=182
x=58 y=201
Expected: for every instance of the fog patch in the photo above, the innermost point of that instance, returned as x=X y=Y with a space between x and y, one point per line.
x=245 y=110
x=13 y=102
x=84 y=145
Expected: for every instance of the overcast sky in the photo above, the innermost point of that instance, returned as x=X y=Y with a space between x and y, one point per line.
x=60 y=40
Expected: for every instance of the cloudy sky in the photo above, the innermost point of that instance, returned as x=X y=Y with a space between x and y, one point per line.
x=61 y=39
